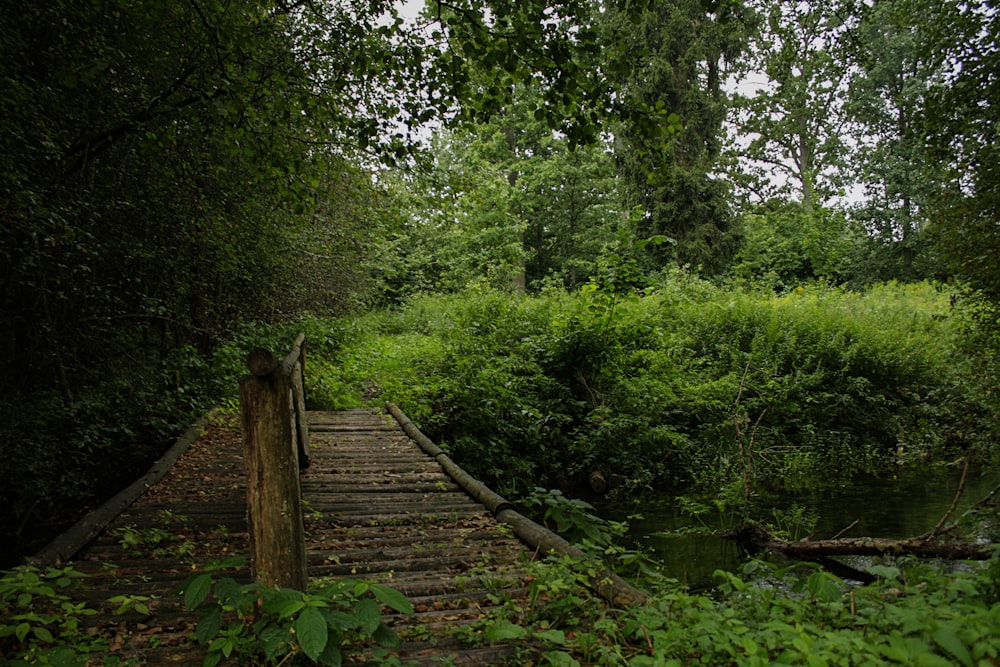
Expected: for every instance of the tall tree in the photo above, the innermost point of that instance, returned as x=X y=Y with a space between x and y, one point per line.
x=459 y=226
x=888 y=88
x=961 y=121
x=790 y=130
x=669 y=142
x=507 y=203
x=565 y=197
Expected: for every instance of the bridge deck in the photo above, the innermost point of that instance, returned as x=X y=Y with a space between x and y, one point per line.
x=378 y=508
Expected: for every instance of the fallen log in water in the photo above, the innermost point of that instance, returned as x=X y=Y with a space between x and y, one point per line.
x=930 y=545
x=869 y=546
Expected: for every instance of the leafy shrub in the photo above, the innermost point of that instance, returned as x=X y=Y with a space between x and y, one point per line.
x=254 y=622
x=40 y=622
x=684 y=383
x=915 y=614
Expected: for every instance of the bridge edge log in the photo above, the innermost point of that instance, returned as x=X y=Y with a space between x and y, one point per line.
x=608 y=585
x=72 y=541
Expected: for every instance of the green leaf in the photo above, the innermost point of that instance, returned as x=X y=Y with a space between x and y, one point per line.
x=311 y=632
x=560 y=659
x=331 y=656
x=369 y=615
x=553 y=637
x=386 y=636
x=290 y=608
x=950 y=642
x=275 y=638
x=43 y=634
x=885 y=572
x=209 y=625
x=392 y=598
x=505 y=630
x=340 y=620
x=196 y=590
x=277 y=602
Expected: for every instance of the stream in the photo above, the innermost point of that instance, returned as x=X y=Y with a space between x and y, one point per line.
x=903 y=503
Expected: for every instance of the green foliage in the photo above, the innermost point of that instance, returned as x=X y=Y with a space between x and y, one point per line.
x=787 y=247
x=571 y=517
x=262 y=625
x=794 y=523
x=915 y=614
x=687 y=383
x=162 y=540
x=40 y=623
x=958 y=125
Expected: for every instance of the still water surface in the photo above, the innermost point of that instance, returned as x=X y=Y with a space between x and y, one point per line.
x=903 y=503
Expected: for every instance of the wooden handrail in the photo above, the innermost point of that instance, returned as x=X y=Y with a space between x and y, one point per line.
x=275 y=447
x=605 y=583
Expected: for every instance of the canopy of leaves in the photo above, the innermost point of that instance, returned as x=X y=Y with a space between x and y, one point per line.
x=960 y=125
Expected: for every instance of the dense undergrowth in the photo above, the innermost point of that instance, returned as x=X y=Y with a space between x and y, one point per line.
x=686 y=383
x=915 y=614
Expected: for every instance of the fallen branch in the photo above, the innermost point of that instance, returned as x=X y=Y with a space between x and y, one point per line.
x=870 y=546
x=939 y=528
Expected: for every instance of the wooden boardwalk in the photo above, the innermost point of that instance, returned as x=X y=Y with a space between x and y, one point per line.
x=377 y=508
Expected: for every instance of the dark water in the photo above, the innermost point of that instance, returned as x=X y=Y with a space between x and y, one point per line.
x=902 y=503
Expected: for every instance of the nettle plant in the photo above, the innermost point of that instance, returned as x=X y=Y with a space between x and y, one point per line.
x=263 y=625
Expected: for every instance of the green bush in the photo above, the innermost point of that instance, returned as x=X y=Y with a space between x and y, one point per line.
x=258 y=624
x=687 y=382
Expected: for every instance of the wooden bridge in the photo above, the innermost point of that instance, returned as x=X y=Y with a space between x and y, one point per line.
x=381 y=503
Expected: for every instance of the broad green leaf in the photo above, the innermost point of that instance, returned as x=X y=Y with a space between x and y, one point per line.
x=369 y=615
x=290 y=608
x=392 y=598
x=505 y=630
x=331 y=656
x=197 y=589
x=209 y=625
x=274 y=638
x=311 y=632
x=560 y=659
x=950 y=642
x=284 y=603
x=885 y=571
x=386 y=636
x=340 y=620
x=553 y=636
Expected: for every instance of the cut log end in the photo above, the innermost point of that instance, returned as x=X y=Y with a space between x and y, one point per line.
x=261 y=362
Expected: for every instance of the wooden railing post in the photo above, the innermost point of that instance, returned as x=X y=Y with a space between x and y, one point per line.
x=271 y=453
x=299 y=402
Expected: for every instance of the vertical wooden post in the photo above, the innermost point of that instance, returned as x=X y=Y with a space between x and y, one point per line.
x=274 y=508
x=299 y=410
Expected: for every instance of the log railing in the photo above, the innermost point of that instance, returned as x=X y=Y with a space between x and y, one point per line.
x=275 y=448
